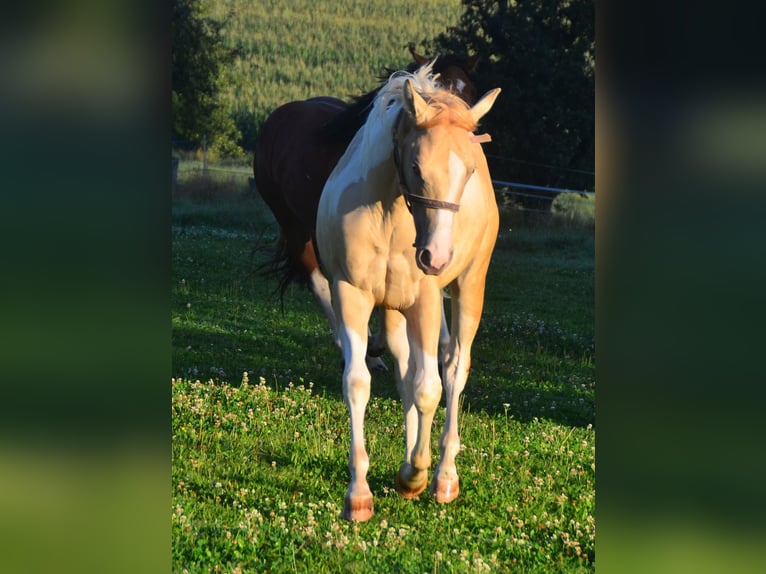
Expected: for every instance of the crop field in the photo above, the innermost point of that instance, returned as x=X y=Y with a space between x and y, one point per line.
x=260 y=431
x=296 y=49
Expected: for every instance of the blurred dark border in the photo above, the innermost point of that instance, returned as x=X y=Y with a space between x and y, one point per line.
x=681 y=277
x=681 y=253
x=85 y=407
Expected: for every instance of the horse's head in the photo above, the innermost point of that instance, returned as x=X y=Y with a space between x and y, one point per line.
x=454 y=73
x=436 y=157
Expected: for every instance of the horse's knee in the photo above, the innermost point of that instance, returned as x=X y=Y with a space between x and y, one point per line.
x=356 y=382
x=428 y=394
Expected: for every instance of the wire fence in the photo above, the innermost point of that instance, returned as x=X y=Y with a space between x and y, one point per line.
x=511 y=188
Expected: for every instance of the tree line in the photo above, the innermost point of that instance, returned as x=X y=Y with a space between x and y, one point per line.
x=541 y=52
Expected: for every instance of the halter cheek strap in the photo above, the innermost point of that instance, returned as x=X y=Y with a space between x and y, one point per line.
x=409 y=197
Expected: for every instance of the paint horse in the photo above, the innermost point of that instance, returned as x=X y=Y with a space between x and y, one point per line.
x=298 y=146
x=408 y=211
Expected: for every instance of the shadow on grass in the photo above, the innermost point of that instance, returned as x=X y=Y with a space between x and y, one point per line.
x=533 y=355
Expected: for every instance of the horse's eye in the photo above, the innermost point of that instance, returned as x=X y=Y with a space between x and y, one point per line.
x=416 y=170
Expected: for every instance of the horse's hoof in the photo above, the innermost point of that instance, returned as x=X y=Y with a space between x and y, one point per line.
x=406 y=489
x=358 y=508
x=376 y=365
x=445 y=490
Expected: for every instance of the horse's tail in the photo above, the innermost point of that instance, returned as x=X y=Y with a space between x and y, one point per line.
x=283 y=267
x=282 y=264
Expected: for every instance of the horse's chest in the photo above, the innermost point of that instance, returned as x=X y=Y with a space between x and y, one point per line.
x=400 y=286
x=392 y=278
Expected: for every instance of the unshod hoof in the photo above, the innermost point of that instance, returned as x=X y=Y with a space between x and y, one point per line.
x=358 y=508
x=444 y=490
x=407 y=489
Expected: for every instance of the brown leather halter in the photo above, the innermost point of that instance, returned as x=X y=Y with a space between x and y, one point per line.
x=409 y=197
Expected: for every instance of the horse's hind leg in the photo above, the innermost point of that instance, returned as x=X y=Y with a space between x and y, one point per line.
x=376 y=346
x=320 y=288
x=443 y=337
x=318 y=285
x=354 y=308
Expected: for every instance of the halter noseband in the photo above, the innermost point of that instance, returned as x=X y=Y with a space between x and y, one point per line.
x=409 y=197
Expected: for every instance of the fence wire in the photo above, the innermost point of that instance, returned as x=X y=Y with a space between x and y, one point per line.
x=504 y=187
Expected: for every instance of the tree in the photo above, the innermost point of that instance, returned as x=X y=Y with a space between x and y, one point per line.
x=198 y=55
x=542 y=53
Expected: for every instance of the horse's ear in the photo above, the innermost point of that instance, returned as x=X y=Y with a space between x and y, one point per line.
x=484 y=104
x=470 y=63
x=419 y=60
x=415 y=104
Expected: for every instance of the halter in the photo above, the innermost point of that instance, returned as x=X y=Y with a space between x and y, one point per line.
x=409 y=197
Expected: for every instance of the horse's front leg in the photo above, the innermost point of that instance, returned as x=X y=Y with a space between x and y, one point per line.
x=467 y=304
x=353 y=311
x=420 y=389
x=320 y=288
x=409 y=483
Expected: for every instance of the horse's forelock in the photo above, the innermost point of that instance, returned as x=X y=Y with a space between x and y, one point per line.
x=449 y=110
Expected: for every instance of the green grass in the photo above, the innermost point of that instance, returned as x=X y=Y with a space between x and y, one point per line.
x=259 y=469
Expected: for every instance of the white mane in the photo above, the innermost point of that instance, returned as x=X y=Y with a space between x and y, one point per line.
x=375 y=142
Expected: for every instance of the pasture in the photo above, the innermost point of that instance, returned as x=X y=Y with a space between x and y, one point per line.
x=260 y=431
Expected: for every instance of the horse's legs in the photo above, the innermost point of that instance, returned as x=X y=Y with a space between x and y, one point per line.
x=353 y=311
x=320 y=289
x=375 y=347
x=466 y=312
x=398 y=344
x=420 y=389
x=443 y=336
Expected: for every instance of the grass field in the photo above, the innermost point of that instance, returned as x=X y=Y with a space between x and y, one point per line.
x=259 y=467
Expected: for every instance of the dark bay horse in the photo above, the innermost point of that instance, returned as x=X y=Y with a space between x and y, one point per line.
x=408 y=211
x=299 y=145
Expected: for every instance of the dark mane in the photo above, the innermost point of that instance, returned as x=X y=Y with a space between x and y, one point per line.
x=342 y=127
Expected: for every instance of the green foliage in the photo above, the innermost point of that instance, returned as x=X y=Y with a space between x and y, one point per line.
x=542 y=53
x=259 y=469
x=575 y=208
x=198 y=57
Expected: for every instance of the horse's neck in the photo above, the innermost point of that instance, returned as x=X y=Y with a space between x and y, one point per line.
x=381 y=179
x=375 y=145
x=369 y=158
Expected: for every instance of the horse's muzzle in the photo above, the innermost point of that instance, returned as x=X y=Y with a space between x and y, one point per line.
x=430 y=264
